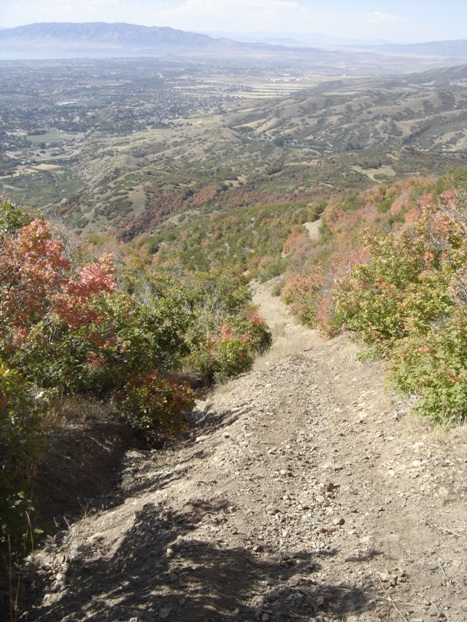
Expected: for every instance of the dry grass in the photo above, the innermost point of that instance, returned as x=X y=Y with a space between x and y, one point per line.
x=65 y=411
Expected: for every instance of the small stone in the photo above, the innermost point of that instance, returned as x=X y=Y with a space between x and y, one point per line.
x=164 y=613
x=339 y=521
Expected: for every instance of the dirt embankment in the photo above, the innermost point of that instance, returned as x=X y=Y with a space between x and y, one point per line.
x=305 y=493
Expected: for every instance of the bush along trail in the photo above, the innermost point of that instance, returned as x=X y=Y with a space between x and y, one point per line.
x=82 y=329
x=304 y=491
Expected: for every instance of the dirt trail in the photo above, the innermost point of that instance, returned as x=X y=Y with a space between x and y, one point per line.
x=305 y=493
x=289 y=337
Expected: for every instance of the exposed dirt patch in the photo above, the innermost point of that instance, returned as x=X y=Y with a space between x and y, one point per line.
x=305 y=493
x=77 y=469
x=313 y=228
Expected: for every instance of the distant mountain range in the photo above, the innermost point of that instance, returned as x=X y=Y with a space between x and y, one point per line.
x=102 y=38
x=103 y=33
x=452 y=49
x=292 y=38
x=99 y=36
x=57 y=40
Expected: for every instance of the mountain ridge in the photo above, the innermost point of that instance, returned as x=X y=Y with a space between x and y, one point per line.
x=119 y=37
x=454 y=48
x=104 y=32
x=123 y=37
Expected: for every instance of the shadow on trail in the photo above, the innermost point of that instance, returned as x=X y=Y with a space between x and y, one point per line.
x=145 y=473
x=205 y=420
x=161 y=572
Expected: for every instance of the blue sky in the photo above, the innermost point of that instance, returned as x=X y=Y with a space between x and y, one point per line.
x=396 y=20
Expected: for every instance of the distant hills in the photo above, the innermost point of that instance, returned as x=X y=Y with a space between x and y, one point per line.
x=452 y=49
x=94 y=39
x=103 y=33
x=98 y=38
x=293 y=38
x=104 y=39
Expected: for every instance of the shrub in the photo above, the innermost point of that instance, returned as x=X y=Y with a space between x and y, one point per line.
x=234 y=356
x=21 y=444
x=70 y=327
x=13 y=218
x=220 y=357
x=408 y=301
x=301 y=293
x=154 y=405
x=434 y=368
x=228 y=349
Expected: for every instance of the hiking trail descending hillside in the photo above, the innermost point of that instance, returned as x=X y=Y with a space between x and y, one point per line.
x=289 y=337
x=304 y=493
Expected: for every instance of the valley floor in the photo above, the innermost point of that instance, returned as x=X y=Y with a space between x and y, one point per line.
x=305 y=493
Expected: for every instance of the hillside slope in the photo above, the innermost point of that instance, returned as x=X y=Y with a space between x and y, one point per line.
x=304 y=493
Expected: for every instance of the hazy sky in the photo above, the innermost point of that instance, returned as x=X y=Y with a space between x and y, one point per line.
x=396 y=20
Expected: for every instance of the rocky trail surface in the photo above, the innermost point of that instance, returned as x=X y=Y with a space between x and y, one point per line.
x=305 y=492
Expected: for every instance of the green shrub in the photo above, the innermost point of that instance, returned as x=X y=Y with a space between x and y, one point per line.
x=220 y=358
x=13 y=218
x=408 y=301
x=21 y=445
x=154 y=405
x=229 y=349
x=434 y=368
